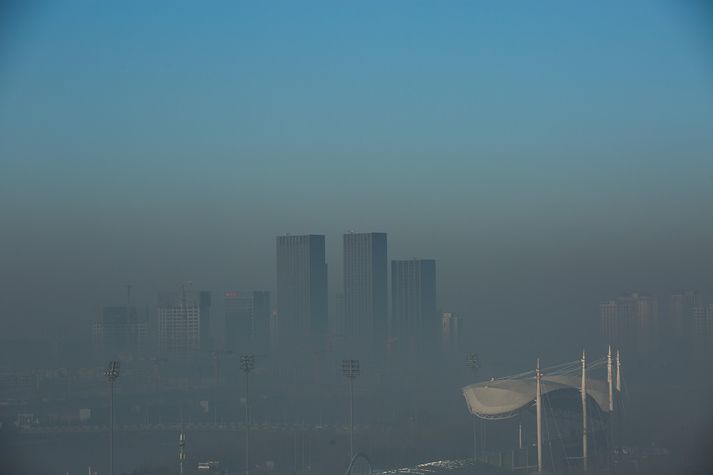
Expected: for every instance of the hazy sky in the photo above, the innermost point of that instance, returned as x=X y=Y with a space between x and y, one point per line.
x=545 y=153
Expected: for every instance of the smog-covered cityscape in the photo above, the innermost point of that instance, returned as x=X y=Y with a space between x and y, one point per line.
x=308 y=238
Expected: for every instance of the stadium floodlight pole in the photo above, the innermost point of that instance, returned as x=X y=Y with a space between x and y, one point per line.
x=350 y=370
x=181 y=450
x=111 y=373
x=538 y=404
x=247 y=364
x=473 y=363
x=618 y=372
x=181 y=446
x=585 y=454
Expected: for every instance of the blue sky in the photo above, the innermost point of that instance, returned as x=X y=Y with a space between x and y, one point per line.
x=154 y=142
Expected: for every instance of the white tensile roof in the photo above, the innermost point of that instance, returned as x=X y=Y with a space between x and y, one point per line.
x=502 y=398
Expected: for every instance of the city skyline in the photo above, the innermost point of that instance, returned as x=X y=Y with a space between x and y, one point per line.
x=504 y=143
x=278 y=238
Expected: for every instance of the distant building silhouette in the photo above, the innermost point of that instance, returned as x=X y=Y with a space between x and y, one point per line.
x=414 y=320
x=680 y=322
x=120 y=331
x=451 y=330
x=631 y=322
x=301 y=290
x=247 y=321
x=366 y=290
x=183 y=320
x=339 y=327
x=702 y=337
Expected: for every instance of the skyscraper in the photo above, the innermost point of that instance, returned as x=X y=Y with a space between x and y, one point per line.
x=631 y=322
x=182 y=320
x=414 y=321
x=301 y=289
x=247 y=321
x=120 y=331
x=681 y=322
x=451 y=329
x=365 y=290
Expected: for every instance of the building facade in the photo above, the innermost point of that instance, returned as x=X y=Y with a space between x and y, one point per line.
x=681 y=322
x=183 y=317
x=630 y=322
x=414 y=320
x=366 y=290
x=119 y=331
x=247 y=321
x=451 y=330
x=301 y=290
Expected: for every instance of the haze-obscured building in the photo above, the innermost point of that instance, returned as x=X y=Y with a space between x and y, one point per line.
x=366 y=291
x=301 y=290
x=184 y=321
x=120 y=331
x=451 y=330
x=702 y=331
x=414 y=320
x=631 y=322
x=680 y=316
x=247 y=321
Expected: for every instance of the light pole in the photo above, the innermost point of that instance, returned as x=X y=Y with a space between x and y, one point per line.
x=111 y=373
x=350 y=370
x=247 y=364
x=472 y=362
x=181 y=450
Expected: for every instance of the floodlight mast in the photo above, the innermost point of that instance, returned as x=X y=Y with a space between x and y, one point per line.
x=111 y=373
x=538 y=406
x=472 y=361
x=247 y=364
x=350 y=370
x=585 y=434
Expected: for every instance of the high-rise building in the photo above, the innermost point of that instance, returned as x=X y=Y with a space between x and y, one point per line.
x=414 y=320
x=339 y=327
x=120 y=330
x=709 y=328
x=247 y=321
x=680 y=322
x=204 y=302
x=702 y=330
x=612 y=327
x=366 y=290
x=630 y=321
x=301 y=290
x=182 y=319
x=451 y=329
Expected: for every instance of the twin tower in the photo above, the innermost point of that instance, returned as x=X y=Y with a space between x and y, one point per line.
x=363 y=322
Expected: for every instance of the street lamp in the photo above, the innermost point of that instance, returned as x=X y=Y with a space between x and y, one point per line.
x=247 y=364
x=472 y=362
x=350 y=370
x=111 y=373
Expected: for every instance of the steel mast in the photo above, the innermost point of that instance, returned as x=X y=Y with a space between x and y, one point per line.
x=585 y=454
x=538 y=405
